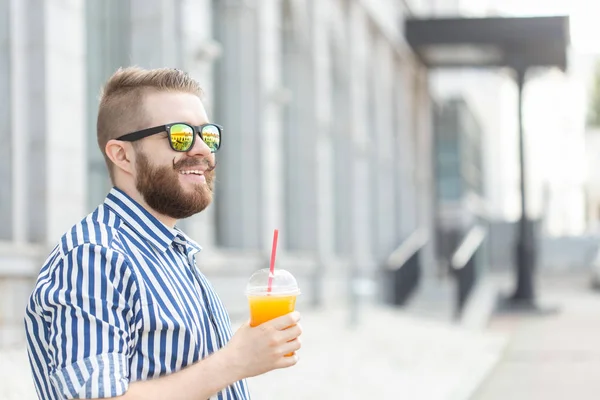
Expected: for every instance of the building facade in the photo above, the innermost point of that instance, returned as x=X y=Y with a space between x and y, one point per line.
x=326 y=115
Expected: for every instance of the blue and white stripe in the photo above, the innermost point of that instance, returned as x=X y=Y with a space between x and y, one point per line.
x=120 y=299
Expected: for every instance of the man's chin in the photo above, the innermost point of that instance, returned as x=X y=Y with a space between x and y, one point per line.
x=203 y=199
x=190 y=211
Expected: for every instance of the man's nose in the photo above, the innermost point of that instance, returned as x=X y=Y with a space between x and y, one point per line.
x=199 y=148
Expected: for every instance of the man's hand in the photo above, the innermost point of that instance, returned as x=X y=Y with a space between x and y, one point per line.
x=254 y=351
x=251 y=352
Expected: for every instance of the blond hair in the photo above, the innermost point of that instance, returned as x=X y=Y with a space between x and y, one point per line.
x=121 y=109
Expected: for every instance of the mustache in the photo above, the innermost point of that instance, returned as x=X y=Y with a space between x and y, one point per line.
x=195 y=162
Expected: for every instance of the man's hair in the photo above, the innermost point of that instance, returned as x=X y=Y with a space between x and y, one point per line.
x=121 y=107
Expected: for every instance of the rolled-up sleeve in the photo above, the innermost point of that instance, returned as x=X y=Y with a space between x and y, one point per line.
x=90 y=306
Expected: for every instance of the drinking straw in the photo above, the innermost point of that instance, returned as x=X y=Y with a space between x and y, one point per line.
x=273 y=254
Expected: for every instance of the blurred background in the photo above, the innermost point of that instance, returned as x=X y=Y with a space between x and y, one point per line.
x=381 y=137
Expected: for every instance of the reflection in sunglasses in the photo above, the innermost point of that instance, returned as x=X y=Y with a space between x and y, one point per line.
x=181 y=135
x=211 y=136
x=182 y=140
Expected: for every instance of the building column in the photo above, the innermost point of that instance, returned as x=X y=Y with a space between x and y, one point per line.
x=408 y=159
x=300 y=133
x=28 y=99
x=65 y=88
x=238 y=104
x=360 y=166
x=323 y=119
x=383 y=209
x=156 y=33
x=344 y=128
x=400 y=127
x=424 y=174
x=8 y=137
x=273 y=98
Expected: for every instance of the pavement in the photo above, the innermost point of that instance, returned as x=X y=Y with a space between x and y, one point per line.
x=389 y=355
x=551 y=356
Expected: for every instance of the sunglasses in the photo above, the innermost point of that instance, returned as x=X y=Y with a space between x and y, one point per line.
x=182 y=136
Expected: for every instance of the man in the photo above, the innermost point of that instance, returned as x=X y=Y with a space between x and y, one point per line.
x=120 y=308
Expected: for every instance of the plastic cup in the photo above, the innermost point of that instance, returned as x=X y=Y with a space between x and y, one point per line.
x=266 y=305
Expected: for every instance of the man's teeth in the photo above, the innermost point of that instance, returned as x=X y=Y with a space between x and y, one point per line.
x=191 y=172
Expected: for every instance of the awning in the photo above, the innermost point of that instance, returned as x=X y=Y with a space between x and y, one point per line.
x=490 y=42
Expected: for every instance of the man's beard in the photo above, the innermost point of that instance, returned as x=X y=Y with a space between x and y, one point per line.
x=161 y=189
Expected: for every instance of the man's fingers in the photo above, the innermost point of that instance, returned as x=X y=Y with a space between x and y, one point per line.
x=285 y=321
x=291 y=332
x=288 y=361
x=291 y=346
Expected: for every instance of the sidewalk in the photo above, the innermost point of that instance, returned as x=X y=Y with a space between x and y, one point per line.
x=389 y=356
x=552 y=357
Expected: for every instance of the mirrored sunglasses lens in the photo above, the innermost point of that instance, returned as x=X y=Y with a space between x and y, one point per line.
x=182 y=137
x=212 y=137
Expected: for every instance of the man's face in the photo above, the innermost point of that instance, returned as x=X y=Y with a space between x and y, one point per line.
x=163 y=175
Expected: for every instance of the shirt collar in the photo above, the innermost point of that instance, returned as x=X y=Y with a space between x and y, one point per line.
x=145 y=224
x=191 y=245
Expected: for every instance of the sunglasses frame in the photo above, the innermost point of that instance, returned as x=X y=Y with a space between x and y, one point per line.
x=138 y=135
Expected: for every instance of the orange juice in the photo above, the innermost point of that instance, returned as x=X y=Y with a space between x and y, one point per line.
x=267 y=307
x=271 y=294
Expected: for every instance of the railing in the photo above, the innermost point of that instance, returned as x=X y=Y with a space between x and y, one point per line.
x=403 y=269
x=464 y=265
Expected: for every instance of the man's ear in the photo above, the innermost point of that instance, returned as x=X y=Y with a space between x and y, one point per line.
x=121 y=154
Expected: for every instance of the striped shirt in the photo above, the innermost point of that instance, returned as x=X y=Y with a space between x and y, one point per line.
x=119 y=300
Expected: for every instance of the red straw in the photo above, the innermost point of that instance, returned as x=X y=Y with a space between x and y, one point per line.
x=273 y=254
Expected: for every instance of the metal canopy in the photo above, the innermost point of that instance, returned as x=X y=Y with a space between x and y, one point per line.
x=490 y=42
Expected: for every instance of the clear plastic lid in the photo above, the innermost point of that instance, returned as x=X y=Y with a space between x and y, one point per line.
x=283 y=283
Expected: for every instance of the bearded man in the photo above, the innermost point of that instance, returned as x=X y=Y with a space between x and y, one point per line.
x=120 y=309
